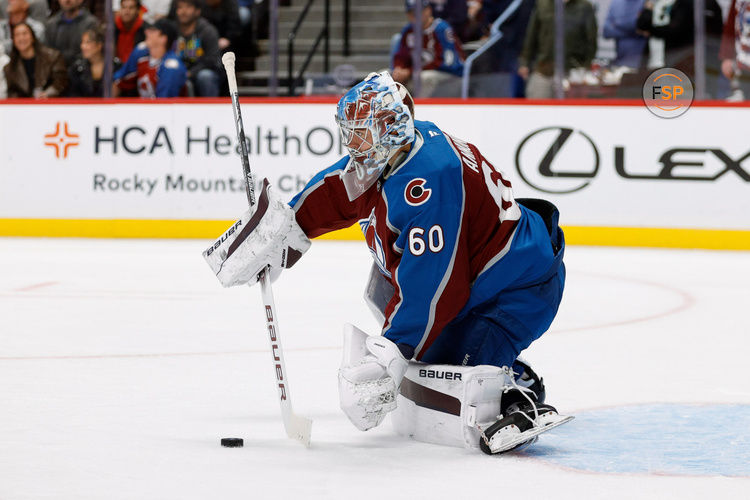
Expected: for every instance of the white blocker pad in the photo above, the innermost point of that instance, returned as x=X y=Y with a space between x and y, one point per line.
x=443 y=404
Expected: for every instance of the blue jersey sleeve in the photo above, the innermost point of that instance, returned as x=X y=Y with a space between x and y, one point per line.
x=131 y=65
x=452 y=56
x=172 y=77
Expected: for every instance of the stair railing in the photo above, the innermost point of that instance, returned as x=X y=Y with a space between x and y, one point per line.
x=347 y=19
x=495 y=36
x=323 y=35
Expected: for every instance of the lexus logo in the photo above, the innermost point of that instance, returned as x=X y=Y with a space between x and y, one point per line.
x=557 y=160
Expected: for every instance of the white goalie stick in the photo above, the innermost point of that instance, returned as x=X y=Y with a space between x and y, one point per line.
x=296 y=427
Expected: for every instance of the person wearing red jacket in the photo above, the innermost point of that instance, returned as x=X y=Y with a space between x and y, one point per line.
x=129 y=28
x=129 y=32
x=735 y=46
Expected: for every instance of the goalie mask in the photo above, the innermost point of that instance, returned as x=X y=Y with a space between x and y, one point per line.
x=375 y=121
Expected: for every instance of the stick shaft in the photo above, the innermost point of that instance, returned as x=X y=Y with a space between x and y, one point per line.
x=228 y=61
x=296 y=427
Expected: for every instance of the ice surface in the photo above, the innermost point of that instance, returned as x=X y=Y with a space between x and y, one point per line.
x=123 y=362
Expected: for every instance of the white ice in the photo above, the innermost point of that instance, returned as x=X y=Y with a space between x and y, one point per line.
x=123 y=362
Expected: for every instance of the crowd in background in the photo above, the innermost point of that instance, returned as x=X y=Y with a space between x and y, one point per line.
x=643 y=35
x=162 y=48
x=168 y=48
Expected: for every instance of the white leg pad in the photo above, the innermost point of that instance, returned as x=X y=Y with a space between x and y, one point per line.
x=443 y=404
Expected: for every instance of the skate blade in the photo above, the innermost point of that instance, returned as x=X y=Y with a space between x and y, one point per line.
x=500 y=446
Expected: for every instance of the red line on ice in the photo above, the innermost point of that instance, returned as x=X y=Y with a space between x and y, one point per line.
x=687 y=302
x=36 y=286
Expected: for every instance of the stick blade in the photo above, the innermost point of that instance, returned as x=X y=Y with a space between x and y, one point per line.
x=299 y=428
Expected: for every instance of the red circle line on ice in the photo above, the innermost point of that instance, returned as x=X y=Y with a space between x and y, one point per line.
x=686 y=302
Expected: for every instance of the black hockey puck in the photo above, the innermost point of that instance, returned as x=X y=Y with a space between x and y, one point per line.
x=232 y=442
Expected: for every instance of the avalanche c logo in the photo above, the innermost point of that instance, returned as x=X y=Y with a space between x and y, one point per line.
x=415 y=193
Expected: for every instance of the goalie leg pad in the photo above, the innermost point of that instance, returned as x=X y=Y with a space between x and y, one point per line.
x=447 y=404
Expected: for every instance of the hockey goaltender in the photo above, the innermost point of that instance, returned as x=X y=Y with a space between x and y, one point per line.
x=465 y=276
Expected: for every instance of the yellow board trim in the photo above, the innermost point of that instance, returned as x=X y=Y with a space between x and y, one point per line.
x=716 y=239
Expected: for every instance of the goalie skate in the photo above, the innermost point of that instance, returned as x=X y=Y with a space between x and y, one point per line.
x=520 y=427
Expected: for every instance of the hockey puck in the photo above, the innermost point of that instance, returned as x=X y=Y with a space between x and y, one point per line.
x=232 y=442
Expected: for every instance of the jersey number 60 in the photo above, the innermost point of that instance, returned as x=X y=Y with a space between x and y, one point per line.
x=417 y=244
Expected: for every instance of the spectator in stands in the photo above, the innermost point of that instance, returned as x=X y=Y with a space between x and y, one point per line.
x=17 y=12
x=198 y=48
x=4 y=59
x=481 y=14
x=454 y=12
x=495 y=72
x=537 y=61
x=156 y=69
x=151 y=10
x=129 y=33
x=470 y=20
x=129 y=28
x=225 y=17
x=87 y=70
x=673 y=22
x=246 y=13
x=34 y=70
x=64 y=29
x=620 y=24
x=442 y=54
x=38 y=10
x=735 y=46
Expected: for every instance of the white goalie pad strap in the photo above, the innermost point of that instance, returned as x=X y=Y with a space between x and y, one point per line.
x=445 y=404
x=371 y=371
x=266 y=235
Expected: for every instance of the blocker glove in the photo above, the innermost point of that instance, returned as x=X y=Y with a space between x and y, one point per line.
x=371 y=372
x=266 y=235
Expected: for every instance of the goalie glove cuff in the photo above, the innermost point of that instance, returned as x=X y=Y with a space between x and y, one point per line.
x=266 y=235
